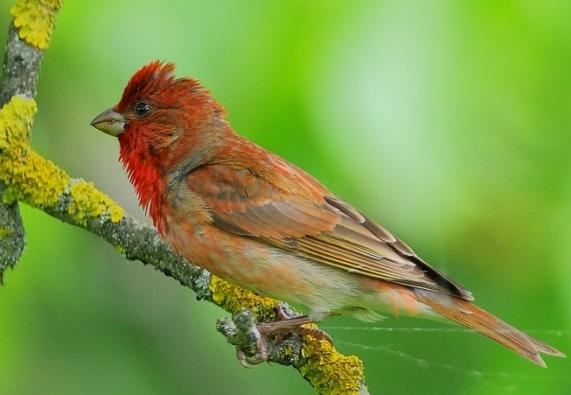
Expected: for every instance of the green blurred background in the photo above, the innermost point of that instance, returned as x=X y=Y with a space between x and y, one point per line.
x=449 y=122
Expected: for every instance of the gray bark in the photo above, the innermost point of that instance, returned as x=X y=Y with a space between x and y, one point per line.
x=20 y=76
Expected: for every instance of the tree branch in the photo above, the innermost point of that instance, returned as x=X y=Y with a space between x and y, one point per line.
x=20 y=77
x=27 y=177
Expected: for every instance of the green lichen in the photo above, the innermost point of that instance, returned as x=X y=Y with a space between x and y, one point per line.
x=88 y=202
x=35 y=20
x=4 y=232
x=233 y=298
x=329 y=371
x=26 y=175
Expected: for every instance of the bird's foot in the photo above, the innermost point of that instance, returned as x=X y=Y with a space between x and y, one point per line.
x=241 y=330
x=255 y=341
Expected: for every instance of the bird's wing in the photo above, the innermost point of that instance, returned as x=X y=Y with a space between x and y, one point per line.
x=297 y=214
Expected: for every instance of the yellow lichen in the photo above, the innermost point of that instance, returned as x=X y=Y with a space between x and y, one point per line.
x=329 y=371
x=232 y=298
x=88 y=202
x=26 y=175
x=16 y=118
x=39 y=182
x=35 y=20
x=33 y=179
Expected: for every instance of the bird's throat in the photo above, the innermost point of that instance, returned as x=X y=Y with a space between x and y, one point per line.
x=146 y=178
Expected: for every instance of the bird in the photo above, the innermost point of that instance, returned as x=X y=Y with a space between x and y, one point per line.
x=253 y=218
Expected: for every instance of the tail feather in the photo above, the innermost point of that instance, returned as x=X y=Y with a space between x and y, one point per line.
x=473 y=317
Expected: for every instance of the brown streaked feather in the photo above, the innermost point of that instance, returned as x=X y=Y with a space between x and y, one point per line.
x=402 y=249
x=250 y=205
x=296 y=213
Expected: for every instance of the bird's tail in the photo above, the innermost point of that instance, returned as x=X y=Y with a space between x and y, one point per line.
x=473 y=317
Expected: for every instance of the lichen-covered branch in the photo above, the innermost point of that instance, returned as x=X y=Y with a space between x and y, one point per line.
x=20 y=76
x=27 y=177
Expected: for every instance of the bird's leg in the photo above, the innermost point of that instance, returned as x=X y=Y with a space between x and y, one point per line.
x=287 y=323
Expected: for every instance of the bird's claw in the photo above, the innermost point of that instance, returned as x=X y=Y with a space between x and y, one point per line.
x=251 y=338
x=248 y=361
x=242 y=331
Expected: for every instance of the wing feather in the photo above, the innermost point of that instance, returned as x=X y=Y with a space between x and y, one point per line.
x=301 y=217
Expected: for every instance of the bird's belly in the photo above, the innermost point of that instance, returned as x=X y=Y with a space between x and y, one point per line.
x=276 y=273
x=265 y=269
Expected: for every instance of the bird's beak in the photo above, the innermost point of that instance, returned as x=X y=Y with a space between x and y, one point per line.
x=110 y=122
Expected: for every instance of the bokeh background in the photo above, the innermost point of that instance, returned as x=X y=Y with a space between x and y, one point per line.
x=449 y=122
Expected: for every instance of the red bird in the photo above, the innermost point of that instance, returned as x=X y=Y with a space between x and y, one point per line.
x=255 y=219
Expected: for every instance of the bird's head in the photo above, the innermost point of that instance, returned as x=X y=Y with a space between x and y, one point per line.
x=159 y=115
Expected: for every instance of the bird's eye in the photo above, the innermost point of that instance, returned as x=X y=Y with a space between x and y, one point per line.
x=142 y=108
